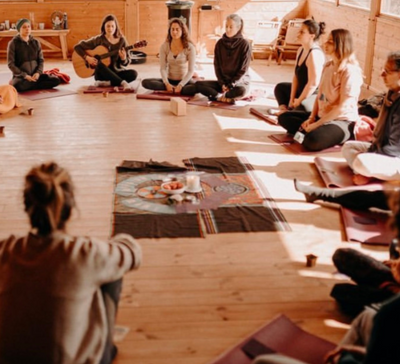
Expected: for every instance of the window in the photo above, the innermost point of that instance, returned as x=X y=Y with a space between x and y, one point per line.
x=391 y=7
x=365 y=4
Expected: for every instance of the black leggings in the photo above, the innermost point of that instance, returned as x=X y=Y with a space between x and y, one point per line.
x=361 y=268
x=211 y=89
x=157 y=84
x=282 y=94
x=44 y=82
x=325 y=136
x=105 y=73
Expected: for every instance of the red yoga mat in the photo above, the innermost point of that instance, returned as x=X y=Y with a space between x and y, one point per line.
x=283 y=336
x=164 y=96
x=288 y=142
x=367 y=227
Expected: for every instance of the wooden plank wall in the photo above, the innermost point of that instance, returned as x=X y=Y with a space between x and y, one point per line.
x=357 y=21
x=148 y=19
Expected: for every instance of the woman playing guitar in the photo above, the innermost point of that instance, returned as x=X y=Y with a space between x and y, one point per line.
x=110 y=39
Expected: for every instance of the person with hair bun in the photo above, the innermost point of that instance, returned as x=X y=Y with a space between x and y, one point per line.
x=232 y=56
x=335 y=110
x=111 y=37
x=177 y=61
x=300 y=95
x=59 y=293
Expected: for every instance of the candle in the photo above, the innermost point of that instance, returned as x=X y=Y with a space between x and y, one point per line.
x=193 y=182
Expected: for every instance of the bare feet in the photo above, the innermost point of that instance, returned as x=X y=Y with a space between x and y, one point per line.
x=360 y=180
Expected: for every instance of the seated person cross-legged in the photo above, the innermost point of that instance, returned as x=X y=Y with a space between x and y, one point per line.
x=177 y=61
x=232 y=56
x=372 y=336
x=58 y=292
x=116 y=74
x=381 y=158
x=25 y=60
x=335 y=110
x=300 y=94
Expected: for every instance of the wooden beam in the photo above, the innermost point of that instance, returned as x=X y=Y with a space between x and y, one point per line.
x=370 y=51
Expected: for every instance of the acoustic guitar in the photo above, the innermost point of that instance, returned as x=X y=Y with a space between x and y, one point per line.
x=84 y=70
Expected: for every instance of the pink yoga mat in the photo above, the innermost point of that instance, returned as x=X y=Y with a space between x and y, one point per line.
x=281 y=335
x=47 y=94
x=339 y=174
x=263 y=114
x=367 y=227
x=111 y=90
x=288 y=142
x=164 y=96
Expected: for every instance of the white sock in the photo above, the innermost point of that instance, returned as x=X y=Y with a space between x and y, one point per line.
x=125 y=84
x=102 y=83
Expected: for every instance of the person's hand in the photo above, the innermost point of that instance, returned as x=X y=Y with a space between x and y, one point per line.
x=169 y=87
x=122 y=54
x=309 y=125
x=91 y=60
x=333 y=356
x=296 y=103
x=35 y=76
x=30 y=78
x=178 y=89
x=225 y=88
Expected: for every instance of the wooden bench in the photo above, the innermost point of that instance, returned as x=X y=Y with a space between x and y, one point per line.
x=40 y=35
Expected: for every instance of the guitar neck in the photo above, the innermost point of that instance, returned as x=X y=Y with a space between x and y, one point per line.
x=115 y=51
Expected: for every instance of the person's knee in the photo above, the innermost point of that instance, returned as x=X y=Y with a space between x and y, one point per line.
x=341 y=255
x=312 y=142
x=146 y=83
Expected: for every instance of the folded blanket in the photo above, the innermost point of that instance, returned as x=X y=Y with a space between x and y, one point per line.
x=64 y=78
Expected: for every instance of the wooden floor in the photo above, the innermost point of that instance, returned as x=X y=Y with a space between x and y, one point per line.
x=193 y=298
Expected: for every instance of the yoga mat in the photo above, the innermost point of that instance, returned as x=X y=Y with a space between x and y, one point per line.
x=339 y=174
x=112 y=89
x=215 y=104
x=287 y=141
x=283 y=336
x=367 y=227
x=272 y=119
x=163 y=96
x=46 y=94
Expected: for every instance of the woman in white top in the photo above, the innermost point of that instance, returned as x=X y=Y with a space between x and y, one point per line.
x=335 y=111
x=177 y=60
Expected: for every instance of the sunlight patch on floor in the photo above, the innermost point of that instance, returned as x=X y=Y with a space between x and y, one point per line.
x=226 y=122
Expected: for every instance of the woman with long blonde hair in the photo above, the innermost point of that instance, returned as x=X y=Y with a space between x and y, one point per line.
x=335 y=110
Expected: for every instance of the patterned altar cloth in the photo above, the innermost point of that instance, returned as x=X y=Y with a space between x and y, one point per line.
x=232 y=200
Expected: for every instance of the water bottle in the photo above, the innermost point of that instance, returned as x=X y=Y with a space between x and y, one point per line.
x=65 y=21
x=393 y=252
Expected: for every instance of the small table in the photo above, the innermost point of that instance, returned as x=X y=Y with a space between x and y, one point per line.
x=39 y=35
